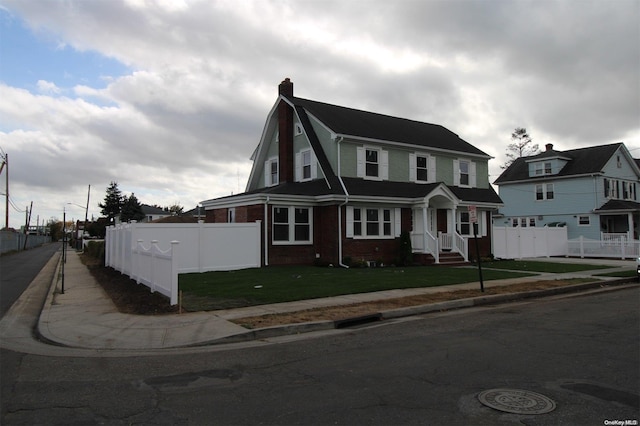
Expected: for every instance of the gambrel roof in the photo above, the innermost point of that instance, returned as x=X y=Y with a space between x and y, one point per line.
x=358 y=124
x=581 y=161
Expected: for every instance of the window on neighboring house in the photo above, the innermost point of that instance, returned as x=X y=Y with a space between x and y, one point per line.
x=532 y=222
x=584 y=220
x=231 y=215
x=271 y=177
x=542 y=168
x=291 y=225
x=298 y=129
x=523 y=222
x=544 y=191
x=372 y=222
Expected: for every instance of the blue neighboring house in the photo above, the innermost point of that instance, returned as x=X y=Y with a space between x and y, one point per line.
x=592 y=191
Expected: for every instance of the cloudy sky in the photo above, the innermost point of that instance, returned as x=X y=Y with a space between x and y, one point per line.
x=169 y=97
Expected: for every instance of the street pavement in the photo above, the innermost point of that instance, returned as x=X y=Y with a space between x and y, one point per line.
x=84 y=316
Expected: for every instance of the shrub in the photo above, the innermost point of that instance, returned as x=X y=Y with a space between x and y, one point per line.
x=405 y=257
x=95 y=249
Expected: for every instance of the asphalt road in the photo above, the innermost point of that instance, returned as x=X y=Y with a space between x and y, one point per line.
x=580 y=351
x=17 y=270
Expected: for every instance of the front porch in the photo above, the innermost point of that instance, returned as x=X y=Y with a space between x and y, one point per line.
x=437 y=226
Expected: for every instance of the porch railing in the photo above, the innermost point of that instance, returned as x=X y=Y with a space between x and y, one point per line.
x=614 y=238
x=424 y=242
x=454 y=242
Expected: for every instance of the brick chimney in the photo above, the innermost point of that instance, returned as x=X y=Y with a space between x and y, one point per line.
x=549 y=147
x=285 y=133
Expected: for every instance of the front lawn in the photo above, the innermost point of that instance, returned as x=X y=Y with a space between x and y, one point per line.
x=274 y=284
x=536 y=266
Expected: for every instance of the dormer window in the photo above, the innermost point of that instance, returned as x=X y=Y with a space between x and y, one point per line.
x=542 y=168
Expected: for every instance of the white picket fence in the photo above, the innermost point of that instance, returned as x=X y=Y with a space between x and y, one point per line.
x=622 y=248
x=154 y=254
x=518 y=243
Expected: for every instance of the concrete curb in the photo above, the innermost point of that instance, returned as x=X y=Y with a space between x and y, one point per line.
x=40 y=330
x=292 y=329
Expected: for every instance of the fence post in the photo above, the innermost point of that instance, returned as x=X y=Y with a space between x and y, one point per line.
x=622 y=248
x=258 y=245
x=174 y=272
x=154 y=245
x=200 y=248
x=581 y=247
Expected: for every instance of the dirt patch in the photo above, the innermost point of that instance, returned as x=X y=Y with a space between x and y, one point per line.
x=367 y=308
x=128 y=296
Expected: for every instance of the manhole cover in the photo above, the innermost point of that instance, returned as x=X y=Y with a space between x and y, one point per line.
x=516 y=401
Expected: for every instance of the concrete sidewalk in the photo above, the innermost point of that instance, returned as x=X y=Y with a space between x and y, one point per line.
x=85 y=317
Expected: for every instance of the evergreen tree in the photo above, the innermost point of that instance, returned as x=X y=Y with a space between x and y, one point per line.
x=521 y=147
x=112 y=205
x=131 y=209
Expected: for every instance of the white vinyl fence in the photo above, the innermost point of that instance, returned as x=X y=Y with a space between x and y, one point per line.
x=620 y=248
x=154 y=254
x=518 y=243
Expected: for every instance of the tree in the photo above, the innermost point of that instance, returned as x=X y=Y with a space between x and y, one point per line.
x=55 y=229
x=521 y=147
x=113 y=201
x=176 y=209
x=131 y=209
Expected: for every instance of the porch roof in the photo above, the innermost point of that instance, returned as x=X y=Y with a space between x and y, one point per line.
x=618 y=206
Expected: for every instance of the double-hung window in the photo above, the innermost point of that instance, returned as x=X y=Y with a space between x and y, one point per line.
x=292 y=225
x=305 y=165
x=422 y=167
x=544 y=191
x=372 y=163
x=271 y=176
x=365 y=222
x=464 y=173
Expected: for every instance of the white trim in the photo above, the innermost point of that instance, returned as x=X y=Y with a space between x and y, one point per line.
x=291 y=224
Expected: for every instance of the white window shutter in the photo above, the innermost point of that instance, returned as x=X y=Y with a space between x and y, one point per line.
x=349 y=230
x=456 y=173
x=360 y=161
x=384 y=165
x=397 y=216
x=298 y=167
x=431 y=171
x=413 y=175
x=314 y=166
x=267 y=173
x=472 y=174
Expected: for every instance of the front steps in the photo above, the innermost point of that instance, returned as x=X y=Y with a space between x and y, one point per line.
x=446 y=259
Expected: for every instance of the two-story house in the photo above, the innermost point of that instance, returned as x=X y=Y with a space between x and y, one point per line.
x=592 y=191
x=331 y=183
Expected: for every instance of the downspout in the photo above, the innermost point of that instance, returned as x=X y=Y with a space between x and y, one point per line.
x=346 y=201
x=266 y=232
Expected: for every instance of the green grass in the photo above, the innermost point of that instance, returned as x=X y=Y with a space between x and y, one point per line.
x=535 y=266
x=275 y=284
x=620 y=274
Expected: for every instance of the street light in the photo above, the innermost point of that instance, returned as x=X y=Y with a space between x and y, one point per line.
x=64 y=236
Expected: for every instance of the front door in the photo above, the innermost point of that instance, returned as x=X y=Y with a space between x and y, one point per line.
x=441 y=219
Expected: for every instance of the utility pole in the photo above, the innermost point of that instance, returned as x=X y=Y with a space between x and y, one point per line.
x=86 y=214
x=26 y=236
x=5 y=162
